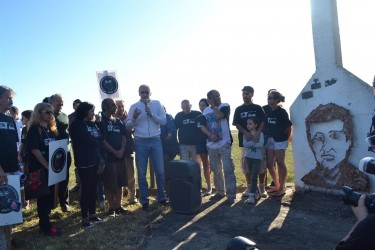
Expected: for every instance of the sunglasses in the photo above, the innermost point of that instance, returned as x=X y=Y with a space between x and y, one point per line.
x=272 y=98
x=145 y=92
x=47 y=112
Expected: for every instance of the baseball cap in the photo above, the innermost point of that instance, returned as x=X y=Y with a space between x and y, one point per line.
x=248 y=89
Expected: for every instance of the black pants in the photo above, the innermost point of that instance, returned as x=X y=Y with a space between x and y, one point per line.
x=44 y=205
x=63 y=192
x=89 y=180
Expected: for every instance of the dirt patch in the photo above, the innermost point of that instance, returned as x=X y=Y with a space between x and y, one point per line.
x=308 y=220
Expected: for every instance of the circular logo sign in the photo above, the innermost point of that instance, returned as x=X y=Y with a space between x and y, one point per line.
x=108 y=85
x=9 y=199
x=58 y=160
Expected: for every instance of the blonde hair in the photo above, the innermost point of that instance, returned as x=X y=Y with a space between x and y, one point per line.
x=36 y=117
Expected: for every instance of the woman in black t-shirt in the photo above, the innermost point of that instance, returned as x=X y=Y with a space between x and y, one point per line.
x=42 y=130
x=278 y=129
x=86 y=141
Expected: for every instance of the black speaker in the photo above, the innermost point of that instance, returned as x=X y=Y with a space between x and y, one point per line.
x=184 y=186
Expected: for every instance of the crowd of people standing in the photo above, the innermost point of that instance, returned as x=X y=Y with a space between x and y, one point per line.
x=107 y=149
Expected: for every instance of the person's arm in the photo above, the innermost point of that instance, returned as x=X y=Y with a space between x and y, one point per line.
x=244 y=131
x=3 y=176
x=159 y=117
x=360 y=213
x=252 y=143
x=132 y=117
x=38 y=155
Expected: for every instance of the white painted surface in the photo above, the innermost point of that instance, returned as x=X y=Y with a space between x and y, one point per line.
x=349 y=92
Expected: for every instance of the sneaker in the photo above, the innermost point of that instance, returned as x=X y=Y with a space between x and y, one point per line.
x=262 y=191
x=246 y=192
x=111 y=213
x=86 y=223
x=122 y=211
x=74 y=189
x=95 y=219
x=256 y=195
x=102 y=204
x=164 y=202
x=207 y=192
x=66 y=209
x=132 y=201
x=251 y=199
x=53 y=232
x=216 y=197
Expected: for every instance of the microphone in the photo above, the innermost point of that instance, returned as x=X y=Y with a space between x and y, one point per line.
x=146 y=101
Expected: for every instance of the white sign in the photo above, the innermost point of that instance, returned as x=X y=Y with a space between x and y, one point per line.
x=57 y=161
x=108 y=84
x=10 y=202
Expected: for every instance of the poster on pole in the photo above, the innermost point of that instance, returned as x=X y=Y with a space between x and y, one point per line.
x=57 y=166
x=108 y=84
x=10 y=202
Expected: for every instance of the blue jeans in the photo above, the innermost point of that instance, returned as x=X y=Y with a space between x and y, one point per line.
x=145 y=148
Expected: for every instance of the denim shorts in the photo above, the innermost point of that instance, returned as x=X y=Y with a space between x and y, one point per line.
x=272 y=144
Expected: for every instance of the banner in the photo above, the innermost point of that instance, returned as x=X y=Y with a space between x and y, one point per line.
x=108 y=85
x=57 y=161
x=10 y=202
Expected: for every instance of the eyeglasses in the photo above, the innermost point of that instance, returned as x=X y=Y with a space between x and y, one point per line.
x=47 y=112
x=145 y=92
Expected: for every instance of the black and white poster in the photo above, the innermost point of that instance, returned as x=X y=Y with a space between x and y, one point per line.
x=58 y=156
x=10 y=202
x=108 y=84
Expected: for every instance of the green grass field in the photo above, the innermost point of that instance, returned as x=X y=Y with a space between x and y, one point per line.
x=126 y=232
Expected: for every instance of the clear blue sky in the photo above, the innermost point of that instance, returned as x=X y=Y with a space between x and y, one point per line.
x=181 y=48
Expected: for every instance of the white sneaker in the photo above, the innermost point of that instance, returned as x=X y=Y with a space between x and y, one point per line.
x=251 y=199
x=246 y=192
x=207 y=192
x=262 y=191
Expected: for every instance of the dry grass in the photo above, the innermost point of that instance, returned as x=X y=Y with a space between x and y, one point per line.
x=125 y=232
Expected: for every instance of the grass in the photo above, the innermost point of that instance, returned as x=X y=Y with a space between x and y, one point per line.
x=125 y=232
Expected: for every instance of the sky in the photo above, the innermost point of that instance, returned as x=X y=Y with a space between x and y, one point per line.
x=180 y=48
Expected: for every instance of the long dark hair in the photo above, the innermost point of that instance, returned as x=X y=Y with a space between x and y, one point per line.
x=83 y=109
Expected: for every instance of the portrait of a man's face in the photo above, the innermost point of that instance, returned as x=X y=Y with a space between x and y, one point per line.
x=329 y=132
x=329 y=143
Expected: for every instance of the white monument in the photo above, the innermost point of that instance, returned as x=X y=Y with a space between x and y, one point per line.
x=332 y=115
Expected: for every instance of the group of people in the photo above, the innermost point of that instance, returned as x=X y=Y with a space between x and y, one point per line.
x=104 y=149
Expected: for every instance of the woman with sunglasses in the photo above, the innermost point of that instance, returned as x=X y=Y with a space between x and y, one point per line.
x=42 y=130
x=87 y=141
x=278 y=129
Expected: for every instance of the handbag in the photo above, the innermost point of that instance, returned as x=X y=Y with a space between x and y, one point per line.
x=36 y=184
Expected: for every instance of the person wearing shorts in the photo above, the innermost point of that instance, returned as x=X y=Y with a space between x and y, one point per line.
x=278 y=129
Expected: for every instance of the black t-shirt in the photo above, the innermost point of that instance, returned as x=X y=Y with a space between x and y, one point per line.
x=277 y=123
x=242 y=113
x=187 y=127
x=113 y=130
x=8 y=144
x=38 y=137
x=201 y=137
x=363 y=236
